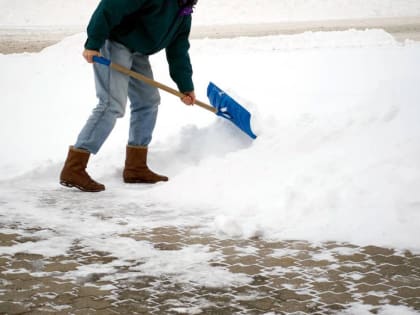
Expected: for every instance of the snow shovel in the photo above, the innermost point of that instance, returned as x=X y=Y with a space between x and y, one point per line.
x=223 y=104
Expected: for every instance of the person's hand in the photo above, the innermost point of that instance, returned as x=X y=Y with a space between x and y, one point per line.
x=88 y=54
x=189 y=98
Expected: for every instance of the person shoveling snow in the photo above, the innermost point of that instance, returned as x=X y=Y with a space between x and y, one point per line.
x=128 y=32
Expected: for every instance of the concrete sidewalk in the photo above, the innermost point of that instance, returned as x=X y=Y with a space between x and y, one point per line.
x=14 y=40
x=401 y=28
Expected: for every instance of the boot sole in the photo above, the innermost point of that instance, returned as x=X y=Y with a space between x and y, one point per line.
x=142 y=181
x=70 y=185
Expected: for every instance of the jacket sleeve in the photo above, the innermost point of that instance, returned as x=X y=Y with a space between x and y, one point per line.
x=107 y=15
x=178 y=58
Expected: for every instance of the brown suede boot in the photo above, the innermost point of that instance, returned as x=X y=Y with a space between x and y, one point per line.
x=74 y=171
x=136 y=170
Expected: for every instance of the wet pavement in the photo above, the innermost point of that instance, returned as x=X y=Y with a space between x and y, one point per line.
x=15 y=40
x=287 y=277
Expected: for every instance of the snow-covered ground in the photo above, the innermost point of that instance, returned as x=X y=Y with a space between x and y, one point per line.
x=337 y=157
x=61 y=13
x=336 y=114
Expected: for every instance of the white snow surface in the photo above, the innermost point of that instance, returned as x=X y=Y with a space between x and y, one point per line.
x=62 y=13
x=336 y=158
x=337 y=155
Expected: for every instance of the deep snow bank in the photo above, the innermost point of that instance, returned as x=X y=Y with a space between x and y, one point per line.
x=337 y=156
x=338 y=150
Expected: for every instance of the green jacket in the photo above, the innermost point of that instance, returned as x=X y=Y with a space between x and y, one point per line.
x=146 y=26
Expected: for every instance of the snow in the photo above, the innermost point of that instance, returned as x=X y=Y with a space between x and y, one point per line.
x=69 y=14
x=336 y=115
x=336 y=158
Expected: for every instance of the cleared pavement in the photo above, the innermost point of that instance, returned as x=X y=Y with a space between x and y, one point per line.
x=13 y=40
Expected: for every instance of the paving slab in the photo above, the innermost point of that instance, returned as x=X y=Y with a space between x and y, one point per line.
x=294 y=283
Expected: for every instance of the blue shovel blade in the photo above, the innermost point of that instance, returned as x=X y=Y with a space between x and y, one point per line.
x=228 y=108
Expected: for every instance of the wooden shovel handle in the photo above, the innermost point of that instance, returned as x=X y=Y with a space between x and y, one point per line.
x=158 y=85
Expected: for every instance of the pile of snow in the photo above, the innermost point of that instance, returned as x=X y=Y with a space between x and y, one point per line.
x=336 y=158
x=61 y=13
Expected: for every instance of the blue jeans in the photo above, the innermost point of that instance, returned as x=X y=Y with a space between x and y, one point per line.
x=112 y=90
